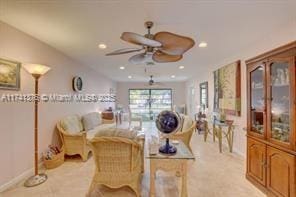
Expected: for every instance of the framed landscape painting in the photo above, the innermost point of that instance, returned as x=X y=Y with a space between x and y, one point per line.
x=227 y=89
x=9 y=75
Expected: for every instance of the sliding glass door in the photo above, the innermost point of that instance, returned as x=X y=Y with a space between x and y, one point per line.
x=149 y=102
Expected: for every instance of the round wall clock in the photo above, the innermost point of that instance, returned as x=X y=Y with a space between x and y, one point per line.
x=77 y=84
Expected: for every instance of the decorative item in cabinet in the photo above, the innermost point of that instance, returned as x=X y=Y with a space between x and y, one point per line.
x=280 y=77
x=257 y=122
x=280 y=131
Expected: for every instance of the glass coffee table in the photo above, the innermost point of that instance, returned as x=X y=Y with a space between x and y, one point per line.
x=177 y=163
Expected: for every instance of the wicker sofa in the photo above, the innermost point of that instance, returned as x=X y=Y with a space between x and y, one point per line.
x=75 y=131
x=186 y=131
x=118 y=155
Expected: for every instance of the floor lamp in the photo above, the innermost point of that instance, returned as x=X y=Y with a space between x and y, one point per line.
x=37 y=71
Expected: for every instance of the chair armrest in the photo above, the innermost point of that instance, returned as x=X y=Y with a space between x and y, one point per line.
x=80 y=134
x=141 y=142
x=179 y=133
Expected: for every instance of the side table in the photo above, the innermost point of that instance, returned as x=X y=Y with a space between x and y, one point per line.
x=177 y=163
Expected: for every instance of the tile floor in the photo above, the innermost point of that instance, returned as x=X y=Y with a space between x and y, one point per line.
x=211 y=175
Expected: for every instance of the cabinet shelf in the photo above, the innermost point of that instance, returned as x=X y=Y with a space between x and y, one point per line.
x=280 y=85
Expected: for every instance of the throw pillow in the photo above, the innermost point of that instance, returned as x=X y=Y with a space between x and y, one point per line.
x=116 y=132
x=72 y=124
x=91 y=120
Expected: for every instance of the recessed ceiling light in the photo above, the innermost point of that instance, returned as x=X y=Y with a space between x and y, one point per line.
x=121 y=67
x=129 y=77
x=102 y=46
x=181 y=67
x=173 y=76
x=203 y=45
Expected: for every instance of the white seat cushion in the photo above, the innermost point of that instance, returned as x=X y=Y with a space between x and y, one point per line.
x=91 y=120
x=91 y=133
x=72 y=124
x=117 y=132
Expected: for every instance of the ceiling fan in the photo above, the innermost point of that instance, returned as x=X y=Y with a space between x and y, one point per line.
x=162 y=47
x=152 y=83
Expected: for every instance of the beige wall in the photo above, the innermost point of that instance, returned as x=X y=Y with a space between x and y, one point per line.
x=16 y=119
x=272 y=40
x=178 y=91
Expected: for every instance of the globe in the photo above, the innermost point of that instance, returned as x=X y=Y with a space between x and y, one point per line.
x=168 y=122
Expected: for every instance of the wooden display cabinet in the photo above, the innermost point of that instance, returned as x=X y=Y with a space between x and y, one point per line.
x=271 y=146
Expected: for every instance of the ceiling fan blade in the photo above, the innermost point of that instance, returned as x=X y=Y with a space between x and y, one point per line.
x=140 y=58
x=139 y=39
x=124 y=51
x=155 y=85
x=173 y=44
x=163 y=58
x=158 y=84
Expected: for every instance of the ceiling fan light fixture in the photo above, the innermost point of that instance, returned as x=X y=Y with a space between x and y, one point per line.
x=203 y=45
x=102 y=46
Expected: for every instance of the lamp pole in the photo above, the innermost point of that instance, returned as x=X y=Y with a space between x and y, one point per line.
x=37 y=71
x=36 y=76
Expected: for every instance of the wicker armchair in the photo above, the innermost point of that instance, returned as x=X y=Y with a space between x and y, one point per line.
x=76 y=143
x=185 y=135
x=118 y=163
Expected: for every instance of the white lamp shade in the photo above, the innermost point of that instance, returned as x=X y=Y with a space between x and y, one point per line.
x=36 y=69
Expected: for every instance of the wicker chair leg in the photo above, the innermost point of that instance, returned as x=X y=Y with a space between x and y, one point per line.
x=190 y=148
x=206 y=135
x=135 y=187
x=84 y=157
x=91 y=189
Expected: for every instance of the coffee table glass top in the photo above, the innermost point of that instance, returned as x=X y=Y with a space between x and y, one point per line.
x=182 y=152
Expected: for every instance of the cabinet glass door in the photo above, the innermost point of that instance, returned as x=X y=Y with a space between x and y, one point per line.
x=279 y=81
x=257 y=104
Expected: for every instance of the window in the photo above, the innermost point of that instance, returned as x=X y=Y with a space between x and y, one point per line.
x=203 y=94
x=148 y=103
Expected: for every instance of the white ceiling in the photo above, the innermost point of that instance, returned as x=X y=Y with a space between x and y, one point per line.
x=76 y=27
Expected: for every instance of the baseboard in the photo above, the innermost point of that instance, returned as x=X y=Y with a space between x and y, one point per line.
x=239 y=153
x=235 y=150
x=18 y=179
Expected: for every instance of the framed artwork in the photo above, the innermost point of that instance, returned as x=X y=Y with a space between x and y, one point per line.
x=227 y=89
x=9 y=75
x=203 y=94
